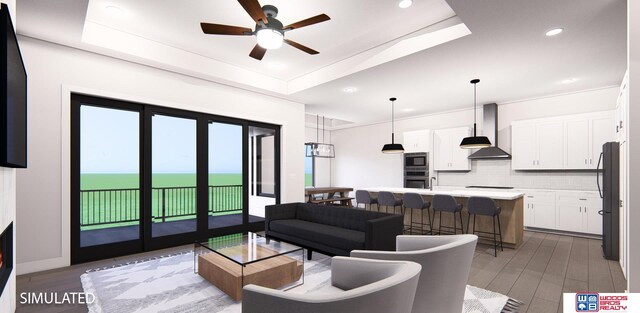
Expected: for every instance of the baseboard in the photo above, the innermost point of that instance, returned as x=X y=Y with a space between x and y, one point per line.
x=561 y=232
x=41 y=265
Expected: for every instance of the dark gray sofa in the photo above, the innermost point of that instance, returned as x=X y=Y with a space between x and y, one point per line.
x=332 y=230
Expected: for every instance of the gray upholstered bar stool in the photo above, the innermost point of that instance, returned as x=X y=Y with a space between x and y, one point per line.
x=387 y=199
x=414 y=201
x=446 y=203
x=364 y=197
x=486 y=207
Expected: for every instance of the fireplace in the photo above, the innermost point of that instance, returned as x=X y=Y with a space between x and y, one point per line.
x=6 y=256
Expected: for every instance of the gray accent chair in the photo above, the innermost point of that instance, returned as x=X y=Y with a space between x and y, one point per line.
x=446 y=262
x=411 y=200
x=446 y=203
x=486 y=207
x=357 y=285
x=364 y=197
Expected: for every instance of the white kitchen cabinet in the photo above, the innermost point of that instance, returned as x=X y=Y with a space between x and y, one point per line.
x=579 y=212
x=621 y=109
x=584 y=139
x=540 y=209
x=447 y=154
x=537 y=145
x=416 y=141
x=571 y=142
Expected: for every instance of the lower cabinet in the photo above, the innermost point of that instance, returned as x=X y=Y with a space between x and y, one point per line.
x=540 y=209
x=574 y=211
x=579 y=212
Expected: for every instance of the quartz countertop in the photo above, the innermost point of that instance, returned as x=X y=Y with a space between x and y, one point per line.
x=497 y=194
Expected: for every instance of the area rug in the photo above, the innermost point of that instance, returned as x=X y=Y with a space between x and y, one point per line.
x=168 y=284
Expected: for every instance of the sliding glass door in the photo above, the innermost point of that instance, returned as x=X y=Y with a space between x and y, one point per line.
x=146 y=177
x=225 y=187
x=173 y=175
x=106 y=178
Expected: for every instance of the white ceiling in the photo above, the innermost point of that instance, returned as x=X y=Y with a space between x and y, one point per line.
x=367 y=44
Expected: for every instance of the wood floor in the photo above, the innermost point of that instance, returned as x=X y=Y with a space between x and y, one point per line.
x=537 y=274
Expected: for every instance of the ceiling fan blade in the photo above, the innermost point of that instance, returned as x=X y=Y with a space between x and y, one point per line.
x=301 y=47
x=258 y=52
x=217 y=29
x=310 y=21
x=254 y=9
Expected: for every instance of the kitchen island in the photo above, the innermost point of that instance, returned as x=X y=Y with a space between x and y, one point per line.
x=511 y=216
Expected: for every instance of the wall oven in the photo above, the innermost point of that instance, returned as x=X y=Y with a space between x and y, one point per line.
x=416 y=170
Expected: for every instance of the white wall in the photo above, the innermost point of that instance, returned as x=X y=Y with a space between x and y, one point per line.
x=54 y=72
x=359 y=162
x=322 y=165
x=633 y=53
x=8 y=208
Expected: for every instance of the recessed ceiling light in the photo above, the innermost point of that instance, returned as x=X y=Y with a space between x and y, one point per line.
x=350 y=89
x=569 y=81
x=405 y=3
x=554 y=32
x=114 y=10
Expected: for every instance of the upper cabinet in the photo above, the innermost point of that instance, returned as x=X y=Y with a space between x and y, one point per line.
x=585 y=137
x=621 y=104
x=447 y=154
x=417 y=141
x=537 y=145
x=572 y=142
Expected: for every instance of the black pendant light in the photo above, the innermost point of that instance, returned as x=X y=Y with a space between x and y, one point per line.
x=475 y=141
x=392 y=147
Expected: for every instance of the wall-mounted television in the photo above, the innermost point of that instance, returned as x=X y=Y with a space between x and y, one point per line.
x=13 y=96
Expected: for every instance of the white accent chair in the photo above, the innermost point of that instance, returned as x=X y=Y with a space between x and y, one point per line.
x=446 y=262
x=357 y=285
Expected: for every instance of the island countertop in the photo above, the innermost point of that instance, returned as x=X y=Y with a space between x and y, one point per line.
x=461 y=193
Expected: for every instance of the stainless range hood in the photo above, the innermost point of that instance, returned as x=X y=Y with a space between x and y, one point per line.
x=490 y=129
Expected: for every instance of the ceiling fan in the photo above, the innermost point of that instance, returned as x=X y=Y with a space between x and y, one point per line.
x=269 y=30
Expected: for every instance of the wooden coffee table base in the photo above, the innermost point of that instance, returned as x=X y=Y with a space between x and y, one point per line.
x=223 y=273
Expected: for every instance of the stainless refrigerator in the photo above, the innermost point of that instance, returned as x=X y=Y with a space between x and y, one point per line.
x=609 y=188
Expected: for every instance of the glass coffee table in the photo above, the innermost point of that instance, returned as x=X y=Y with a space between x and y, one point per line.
x=233 y=261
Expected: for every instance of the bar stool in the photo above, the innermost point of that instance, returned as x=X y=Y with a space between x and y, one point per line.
x=446 y=203
x=387 y=200
x=486 y=207
x=414 y=201
x=364 y=197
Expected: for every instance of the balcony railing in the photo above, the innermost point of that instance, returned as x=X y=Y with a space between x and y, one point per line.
x=122 y=206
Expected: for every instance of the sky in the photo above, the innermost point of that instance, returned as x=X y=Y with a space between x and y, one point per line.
x=109 y=141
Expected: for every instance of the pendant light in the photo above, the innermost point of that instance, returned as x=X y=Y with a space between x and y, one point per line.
x=475 y=141
x=319 y=149
x=392 y=147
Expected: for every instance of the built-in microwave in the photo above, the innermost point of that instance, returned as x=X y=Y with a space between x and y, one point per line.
x=415 y=160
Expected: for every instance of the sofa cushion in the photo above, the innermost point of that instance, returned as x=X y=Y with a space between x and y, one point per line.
x=352 y=219
x=341 y=238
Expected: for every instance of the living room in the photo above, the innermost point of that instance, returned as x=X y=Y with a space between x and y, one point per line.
x=207 y=89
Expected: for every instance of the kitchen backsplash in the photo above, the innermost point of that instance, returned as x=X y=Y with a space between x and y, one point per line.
x=499 y=173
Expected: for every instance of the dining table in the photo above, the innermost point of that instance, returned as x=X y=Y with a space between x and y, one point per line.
x=334 y=195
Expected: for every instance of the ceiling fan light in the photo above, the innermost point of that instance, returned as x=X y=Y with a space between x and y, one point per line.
x=270 y=38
